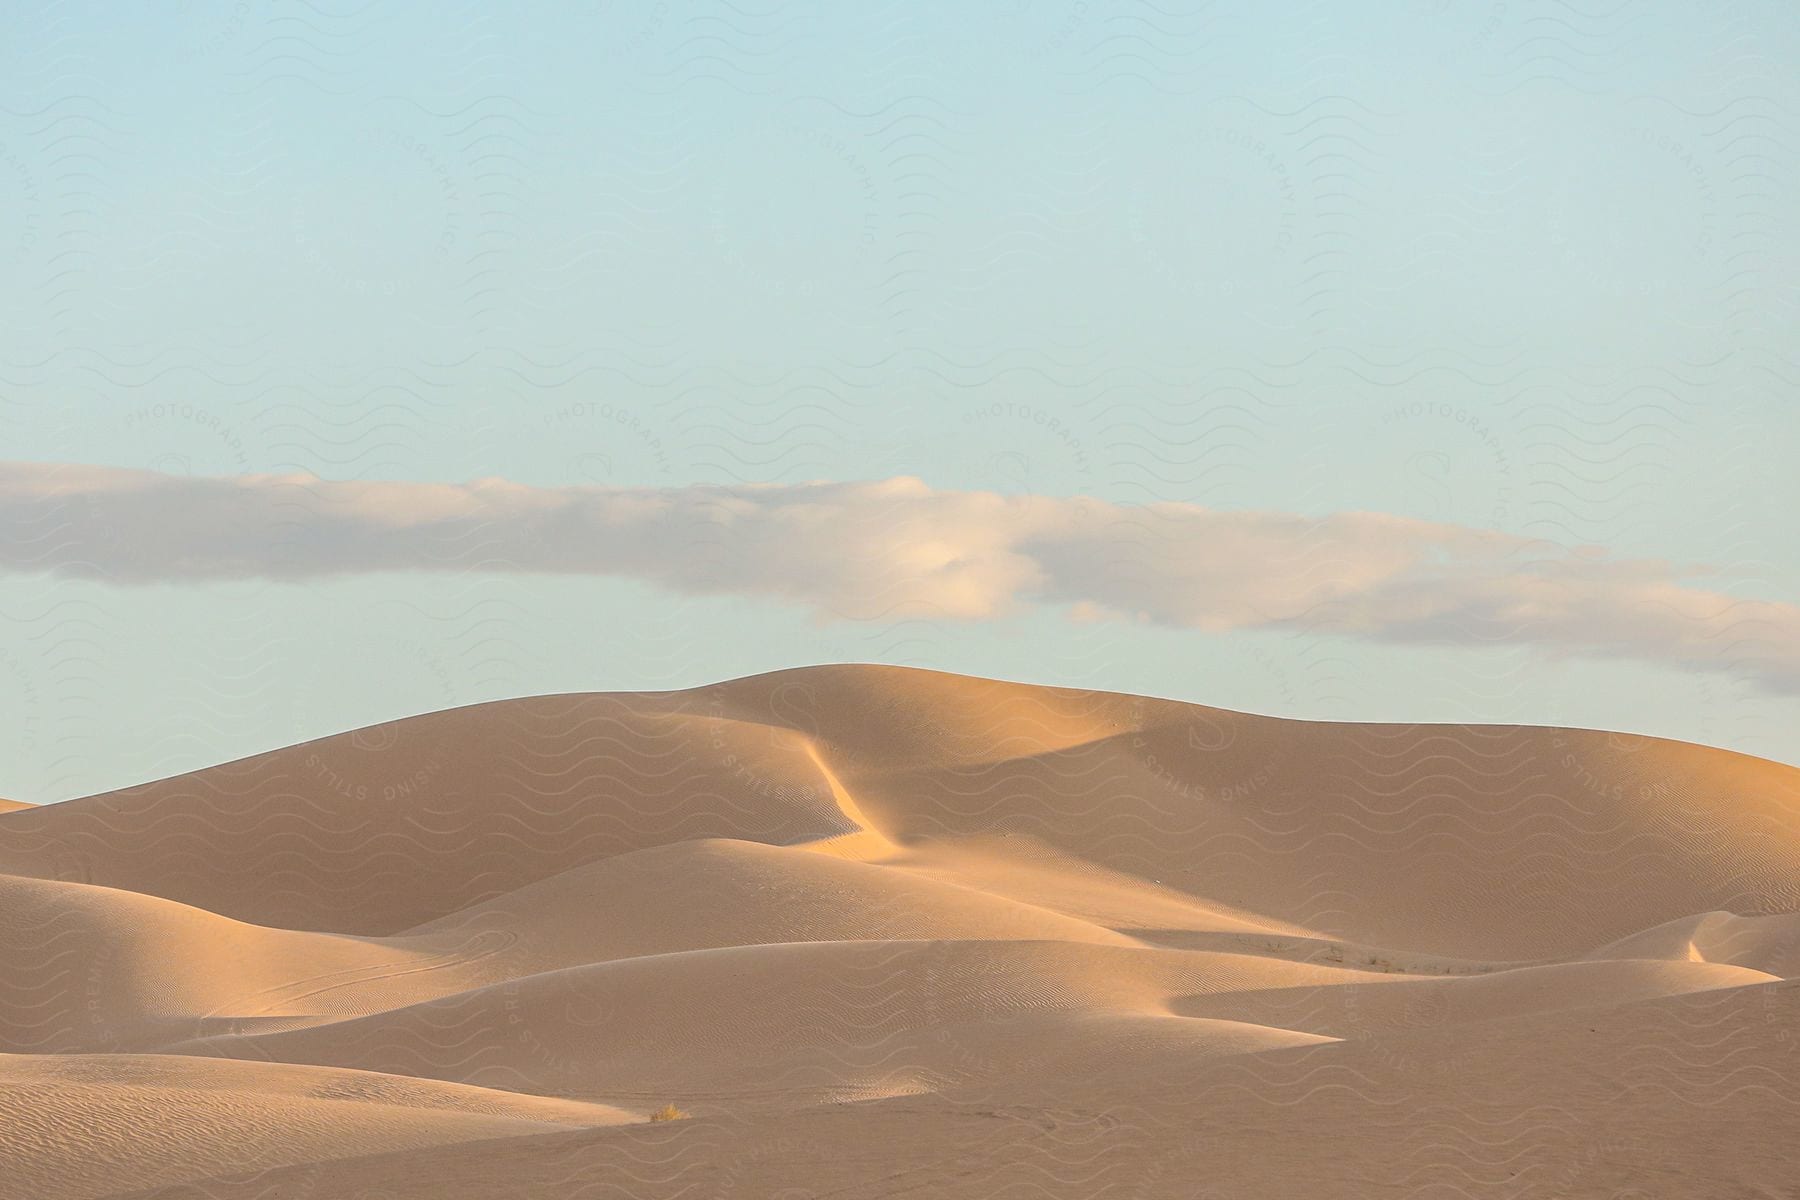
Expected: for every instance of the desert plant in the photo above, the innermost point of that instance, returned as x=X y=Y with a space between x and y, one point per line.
x=668 y=1112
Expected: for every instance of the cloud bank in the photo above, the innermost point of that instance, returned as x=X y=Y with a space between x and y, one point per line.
x=861 y=551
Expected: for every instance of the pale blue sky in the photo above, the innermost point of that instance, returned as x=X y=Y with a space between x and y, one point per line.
x=1527 y=267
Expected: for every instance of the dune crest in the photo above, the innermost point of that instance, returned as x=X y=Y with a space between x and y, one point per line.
x=1112 y=944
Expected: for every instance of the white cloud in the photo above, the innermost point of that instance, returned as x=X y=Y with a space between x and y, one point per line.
x=900 y=549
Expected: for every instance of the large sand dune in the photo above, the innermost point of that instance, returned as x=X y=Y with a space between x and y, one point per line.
x=884 y=932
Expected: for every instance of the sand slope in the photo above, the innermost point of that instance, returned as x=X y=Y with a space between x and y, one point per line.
x=1692 y=1096
x=884 y=932
x=81 y=1125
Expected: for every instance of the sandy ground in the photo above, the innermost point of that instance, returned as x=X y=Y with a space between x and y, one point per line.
x=882 y=932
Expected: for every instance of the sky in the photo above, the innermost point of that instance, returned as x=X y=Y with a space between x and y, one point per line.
x=1413 y=361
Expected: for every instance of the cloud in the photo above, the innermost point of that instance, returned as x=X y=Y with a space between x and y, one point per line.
x=901 y=549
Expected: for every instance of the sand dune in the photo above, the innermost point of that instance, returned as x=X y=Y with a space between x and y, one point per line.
x=84 y=1125
x=97 y=969
x=822 y=1019
x=883 y=931
x=740 y=893
x=1681 y=1097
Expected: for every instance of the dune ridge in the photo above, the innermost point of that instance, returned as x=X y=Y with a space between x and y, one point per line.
x=878 y=929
